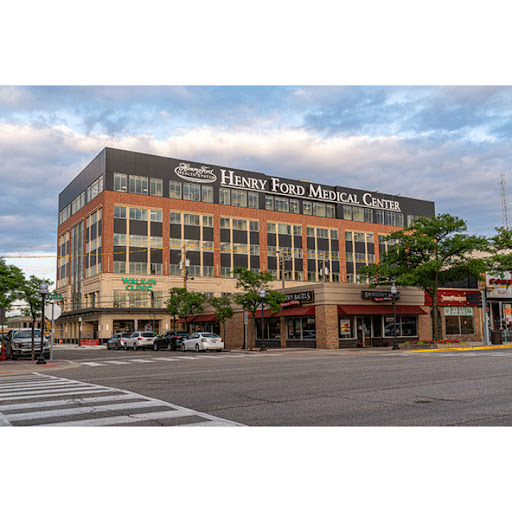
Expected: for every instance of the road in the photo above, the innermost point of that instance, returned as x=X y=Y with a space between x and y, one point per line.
x=273 y=388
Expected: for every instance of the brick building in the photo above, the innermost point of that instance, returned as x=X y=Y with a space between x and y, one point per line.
x=131 y=224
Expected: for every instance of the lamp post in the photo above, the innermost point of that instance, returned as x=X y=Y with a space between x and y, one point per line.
x=79 y=330
x=394 y=293
x=43 y=290
x=262 y=293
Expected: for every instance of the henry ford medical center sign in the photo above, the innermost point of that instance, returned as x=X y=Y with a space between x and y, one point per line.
x=231 y=179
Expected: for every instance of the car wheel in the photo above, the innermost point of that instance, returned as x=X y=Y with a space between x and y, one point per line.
x=169 y=346
x=183 y=348
x=155 y=346
x=135 y=346
x=197 y=347
x=126 y=346
x=219 y=350
x=108 y=346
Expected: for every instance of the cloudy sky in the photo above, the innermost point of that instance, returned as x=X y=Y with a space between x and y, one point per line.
x=446 y=144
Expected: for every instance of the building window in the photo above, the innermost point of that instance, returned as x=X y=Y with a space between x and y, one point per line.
x=207 y=271
x=255 y=250
x=207 y=221
x=191 y=219
x=294 y=206
x=156 y=242
x=334 y=234
x=271 y=227
x=347 y=212
x=155 y=187
x=174 y=270
x=301 y=328
x=175 y=218
x=120 y=182
x=358 y=214
x=138 y=241
x=191 y=191
x=138 y=214
x=379 y=216
x=330 y=211
x=225 y=223
x=322 y=233
x=405 y=326
x=174 y=189
x=225 y=247
x=138 y=185
x=156 y=269
x=207 y=194
x=281 y=204
x=119 y=212
x=310 y=232
x=307 y=208
x=207 y=246
x=368 y=215
x=119 y=239
x=459 y=320
x=156 y=215
x=319 y=209
x=240 y=248
x=137 y=267
x=224 y=196
x=297 y=230
x=284 y=229
x=253 y=200
x=119 y=299
x=240 y=224
x=269 y=203
x=225 y=272
x=119 y=267
x=346 y=328
x=254 y=225
x=238 y=198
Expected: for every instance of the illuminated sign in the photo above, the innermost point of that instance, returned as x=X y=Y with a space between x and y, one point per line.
x=133 y=284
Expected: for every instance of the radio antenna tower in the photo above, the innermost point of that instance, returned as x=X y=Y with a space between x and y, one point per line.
x=504 y=212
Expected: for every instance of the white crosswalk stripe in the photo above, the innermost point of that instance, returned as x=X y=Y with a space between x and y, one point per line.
x=55 y=401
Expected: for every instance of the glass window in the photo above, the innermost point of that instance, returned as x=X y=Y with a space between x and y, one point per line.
x=191 y=220
x=334 y=234
x=400 y=220
x=297 y=230
x=119 y=267
x=119 y=212
x=347 y=212
x=322 y=233
x=119 y=239
x=253 y=200
x=175 y=243
x=224 y=196
x=174 y=189
x=119 y=298
x=138 y=185
x=294 y=206
x=240 y=248
x=207 y=246
x=156 y=242
x=175 y=218
x=155 y=187
x=379 y=216
x=281 y=204
x=330 y=211
x=138 y=240
x=225 y=247
x=271 y=250
x=254 y=225
x=297 y=252
x=368 y=215
x=120 y=182
x=358 y=213
x=255 y=249
x=174 y=270
x=207 y=271
x=156 y=270
x=156 y=215
x=207 y=221
x=138 y=214
x=271 y=227
x=307 y=208
x=207 y=194
x=137 y=267
x=269 y=202
x=346 y=328
x=310 y=232
x=225 y=223
x=240 y=224
x=191 y=191
x=284 y=229
x=319 y=209
x=238 y=198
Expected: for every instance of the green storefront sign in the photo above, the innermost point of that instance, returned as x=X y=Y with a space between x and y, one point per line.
x=133 y=284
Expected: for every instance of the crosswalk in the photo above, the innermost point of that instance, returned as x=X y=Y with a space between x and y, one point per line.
x=177 y=358
x=44 y=400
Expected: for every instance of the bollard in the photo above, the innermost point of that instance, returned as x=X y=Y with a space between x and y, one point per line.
x=2 y=353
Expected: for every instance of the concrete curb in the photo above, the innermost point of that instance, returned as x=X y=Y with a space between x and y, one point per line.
x=491 y=347
x=16 y=367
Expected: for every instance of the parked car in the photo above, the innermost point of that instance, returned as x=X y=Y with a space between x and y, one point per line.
x=170 y=340
x=20 y=344
x=201 y=341
x=140 y=339
x=117 y=341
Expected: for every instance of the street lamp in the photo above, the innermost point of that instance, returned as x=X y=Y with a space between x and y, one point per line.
x=262 y=293
x=394 y=293
x=43 y=290
x=79 y=330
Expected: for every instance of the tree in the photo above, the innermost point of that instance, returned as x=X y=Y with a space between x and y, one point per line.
x=430 y=254
x=223 y=310
x=251 y=283
x=184 y=303
x=500 y=249
x=32 y=296
x=11 y=282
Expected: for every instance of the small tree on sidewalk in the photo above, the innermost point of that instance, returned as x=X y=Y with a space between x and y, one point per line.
x=174 y=302
x=11 y=283
x=251 y=283
x=184 y=303
x=223 y=310
x=430 y=254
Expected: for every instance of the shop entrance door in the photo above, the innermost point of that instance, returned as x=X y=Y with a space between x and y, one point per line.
x=364 y=329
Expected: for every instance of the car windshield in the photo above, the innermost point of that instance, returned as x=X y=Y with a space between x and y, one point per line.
x=27 y=334
x=148 y=334
x=208 y=335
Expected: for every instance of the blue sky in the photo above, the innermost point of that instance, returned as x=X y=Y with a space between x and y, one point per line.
x=446 y=144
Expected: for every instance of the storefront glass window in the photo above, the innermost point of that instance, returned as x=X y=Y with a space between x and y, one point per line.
x=346 y=328
x=301 y=328
x=405 y=326
x=459 y=320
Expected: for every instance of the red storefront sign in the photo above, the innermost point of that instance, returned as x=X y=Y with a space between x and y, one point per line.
x=449 y=298
x=89 y=342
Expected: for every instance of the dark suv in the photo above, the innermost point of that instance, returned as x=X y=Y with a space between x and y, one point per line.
x=171 y=340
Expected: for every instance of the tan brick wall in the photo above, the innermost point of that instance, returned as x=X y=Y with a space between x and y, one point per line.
x=327 y=336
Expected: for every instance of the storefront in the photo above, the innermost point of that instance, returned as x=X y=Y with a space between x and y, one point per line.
x=499 y=303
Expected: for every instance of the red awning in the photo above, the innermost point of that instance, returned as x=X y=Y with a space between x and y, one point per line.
x=190 y=319
x=266 y=313
x=379 y=310
x=300 y=311
x=205 y=318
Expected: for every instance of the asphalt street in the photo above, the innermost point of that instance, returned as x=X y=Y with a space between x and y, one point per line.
x=302 y=387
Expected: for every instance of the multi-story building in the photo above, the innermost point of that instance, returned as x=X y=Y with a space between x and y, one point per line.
x=132 y=224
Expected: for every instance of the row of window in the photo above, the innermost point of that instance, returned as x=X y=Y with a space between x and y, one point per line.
x=138 y=184
x=81 y=200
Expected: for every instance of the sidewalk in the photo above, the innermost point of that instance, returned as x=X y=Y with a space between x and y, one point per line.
x=29 y=366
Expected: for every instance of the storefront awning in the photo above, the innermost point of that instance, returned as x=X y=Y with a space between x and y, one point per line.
x=379 y=310
x=206 y=318
x=300 y=311
x=266 y=314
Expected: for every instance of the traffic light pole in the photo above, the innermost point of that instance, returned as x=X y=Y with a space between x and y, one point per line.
x=485 y=318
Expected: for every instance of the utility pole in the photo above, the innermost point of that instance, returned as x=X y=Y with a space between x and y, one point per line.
x=184 y=263
x=504 y=204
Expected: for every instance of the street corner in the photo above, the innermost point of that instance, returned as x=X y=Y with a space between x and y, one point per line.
x=24 y=367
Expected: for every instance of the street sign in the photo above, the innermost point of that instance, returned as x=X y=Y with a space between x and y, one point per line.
x=54 y=296
x=57 y=311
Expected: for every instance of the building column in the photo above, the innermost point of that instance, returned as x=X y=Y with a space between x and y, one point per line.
x=326 y=320
x=284 y=333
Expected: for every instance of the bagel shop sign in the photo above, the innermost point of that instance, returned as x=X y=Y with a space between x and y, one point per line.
x=134 y=284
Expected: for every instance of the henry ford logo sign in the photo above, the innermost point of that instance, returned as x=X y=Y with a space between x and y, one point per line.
x=201 y=174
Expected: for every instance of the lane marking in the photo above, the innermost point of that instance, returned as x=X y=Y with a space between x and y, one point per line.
x=93 y=364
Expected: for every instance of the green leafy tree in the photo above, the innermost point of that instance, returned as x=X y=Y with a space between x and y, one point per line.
x=251 y=283
x=33 y=299
x=11 y=283
x=223 y=310
x=184 y=303
x=430 y=254
x=500 y=250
